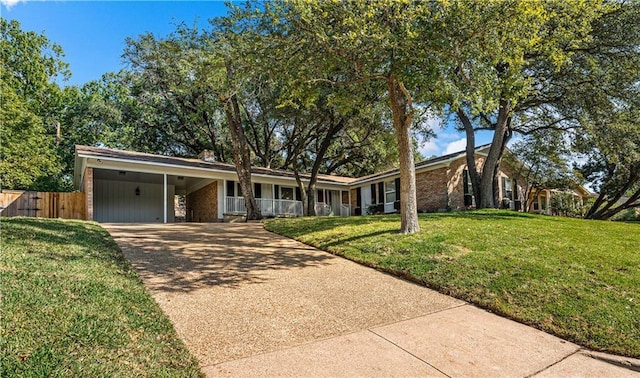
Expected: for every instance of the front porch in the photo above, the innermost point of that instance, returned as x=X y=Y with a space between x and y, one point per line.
x=282 y=208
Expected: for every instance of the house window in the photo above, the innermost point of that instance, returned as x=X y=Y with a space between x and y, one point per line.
x=507 y=188
x=320 y=197
x=345 y=197
x=257 y=190
x=231 y=186
x=390 y=191
x=286 y=193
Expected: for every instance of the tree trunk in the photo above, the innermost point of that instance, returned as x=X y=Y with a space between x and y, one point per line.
x=241 y=156
x=471 y=154
x=402 y=109
x=303 y=194
x=492 y=162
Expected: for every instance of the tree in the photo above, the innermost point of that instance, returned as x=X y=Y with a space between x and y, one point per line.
x=359 y=46
x=496 y=61
x=27 y=156
x=543 y=160
x=177 y=112
x=612 y=149
x=31 y=103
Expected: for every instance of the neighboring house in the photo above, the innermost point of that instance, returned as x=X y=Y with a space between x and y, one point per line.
x=126 y=186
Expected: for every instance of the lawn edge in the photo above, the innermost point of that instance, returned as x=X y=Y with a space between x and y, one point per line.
x=409 y=278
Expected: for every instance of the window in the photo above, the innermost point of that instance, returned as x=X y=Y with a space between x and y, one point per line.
x=507 y=188
x=390 y=191
x=345 y=197
x=231 y=186
x=286 y=193
x=257 y=190
x=320 y=196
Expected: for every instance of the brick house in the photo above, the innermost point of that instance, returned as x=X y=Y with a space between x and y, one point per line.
x=126 y=186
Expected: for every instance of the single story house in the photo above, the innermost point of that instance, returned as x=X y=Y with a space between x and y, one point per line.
x=127 y=186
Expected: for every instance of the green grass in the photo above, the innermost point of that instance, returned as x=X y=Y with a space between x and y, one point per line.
x=574 y=278
x=73 y=306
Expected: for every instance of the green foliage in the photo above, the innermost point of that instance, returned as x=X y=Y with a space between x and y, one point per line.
x=575 y=278
x=27 y=156
x=72 y=305
x=31 y=103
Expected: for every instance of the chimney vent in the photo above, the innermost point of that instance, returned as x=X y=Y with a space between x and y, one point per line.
x=208 y=156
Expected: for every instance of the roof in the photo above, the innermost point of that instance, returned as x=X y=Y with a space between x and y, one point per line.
x=423 y=164
x=109 y=153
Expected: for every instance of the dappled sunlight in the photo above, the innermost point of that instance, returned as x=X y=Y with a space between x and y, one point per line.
x=186 y=257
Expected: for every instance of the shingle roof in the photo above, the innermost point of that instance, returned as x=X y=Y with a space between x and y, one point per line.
x=109 y=153
x=422 y=164
x=106 y=153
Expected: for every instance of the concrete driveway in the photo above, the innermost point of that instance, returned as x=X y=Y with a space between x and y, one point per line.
x=251 y=303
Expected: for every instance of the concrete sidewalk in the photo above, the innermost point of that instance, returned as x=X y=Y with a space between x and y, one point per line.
x=251 y=303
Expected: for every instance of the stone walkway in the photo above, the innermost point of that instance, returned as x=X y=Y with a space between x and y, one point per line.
x=251 y=303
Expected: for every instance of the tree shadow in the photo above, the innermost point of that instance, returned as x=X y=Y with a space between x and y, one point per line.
x=187 y=257
x=93 y=241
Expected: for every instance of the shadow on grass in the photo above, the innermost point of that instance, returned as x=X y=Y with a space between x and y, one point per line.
x=91 y=240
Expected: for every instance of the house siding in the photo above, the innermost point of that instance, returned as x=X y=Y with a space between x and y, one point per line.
x=202 y=205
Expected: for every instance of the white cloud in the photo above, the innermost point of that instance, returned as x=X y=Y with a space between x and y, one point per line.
x=429 y=148
x=10 y=3
x=456 y=146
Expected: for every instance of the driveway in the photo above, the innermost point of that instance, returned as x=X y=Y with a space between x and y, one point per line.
x=248 y=302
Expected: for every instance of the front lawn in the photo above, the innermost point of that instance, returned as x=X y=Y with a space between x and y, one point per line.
x=73 y=306
x=574 y=278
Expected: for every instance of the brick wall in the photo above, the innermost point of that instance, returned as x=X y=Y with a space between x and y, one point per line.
x=87 y=185
x=456 y=181
x=202 y=205
x=431 y=190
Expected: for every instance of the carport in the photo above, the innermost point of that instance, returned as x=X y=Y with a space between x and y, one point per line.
x=129 y=196
x=131 y=187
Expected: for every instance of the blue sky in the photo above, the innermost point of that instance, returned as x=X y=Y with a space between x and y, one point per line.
x=92 y=35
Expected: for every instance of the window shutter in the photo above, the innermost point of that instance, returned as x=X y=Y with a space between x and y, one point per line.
x=276 y=191
x=373 y=194
x=381 y=192
x=358 y=197
x=515 y=189
x=468 y=196
x=465 y=182
x=298 y=194
x=257 y=190
x=397 y=184
x=231 y=189
x=504 y=191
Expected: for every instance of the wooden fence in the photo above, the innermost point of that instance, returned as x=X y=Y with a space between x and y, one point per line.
x=42 y=204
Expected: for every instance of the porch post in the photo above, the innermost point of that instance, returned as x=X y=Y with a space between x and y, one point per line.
x=164 y=202
x=548 y=202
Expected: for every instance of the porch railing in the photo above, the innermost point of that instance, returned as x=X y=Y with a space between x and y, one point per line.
x=322 y=209
x=268 y=207
x=278 y=207
x=325 y=209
